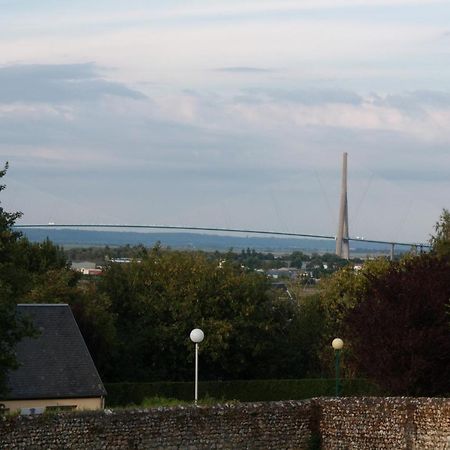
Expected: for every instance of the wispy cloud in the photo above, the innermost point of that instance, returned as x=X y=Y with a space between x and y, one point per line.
x=58 y=83
x=85 y=12
x=244 y=69
x=311 y=96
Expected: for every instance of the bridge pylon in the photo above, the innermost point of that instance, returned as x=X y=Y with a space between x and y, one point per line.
x=342 y=237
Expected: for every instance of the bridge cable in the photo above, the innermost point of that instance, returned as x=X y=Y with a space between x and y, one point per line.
x=331 y=211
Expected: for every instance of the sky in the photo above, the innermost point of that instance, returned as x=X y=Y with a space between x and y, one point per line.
x=227 y=113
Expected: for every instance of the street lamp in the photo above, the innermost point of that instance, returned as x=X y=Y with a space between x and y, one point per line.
x=337 y=344
x=196 y=336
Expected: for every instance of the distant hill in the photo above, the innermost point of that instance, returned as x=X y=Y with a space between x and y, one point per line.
x=192 y=241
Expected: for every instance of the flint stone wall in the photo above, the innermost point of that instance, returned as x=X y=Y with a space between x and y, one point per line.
x=248 y=425
x=328 y=423
x=394 y=423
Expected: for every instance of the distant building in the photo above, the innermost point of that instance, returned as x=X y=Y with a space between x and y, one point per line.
x=56 y=370
x=79 y=266
x=91 y=272
x=124 y=260
x=87 y=268
x=283 y=272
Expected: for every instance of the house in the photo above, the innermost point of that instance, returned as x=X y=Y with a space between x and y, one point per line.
x=56 y=370
x=92 y=272
x=83 y=265
x=87 y=268
x=284 y=273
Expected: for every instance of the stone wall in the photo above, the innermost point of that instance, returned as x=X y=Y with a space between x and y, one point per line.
x=385 y=423
x=280 y=425
x=347 y=423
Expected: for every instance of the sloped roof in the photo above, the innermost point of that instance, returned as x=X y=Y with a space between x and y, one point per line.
x=57 y=363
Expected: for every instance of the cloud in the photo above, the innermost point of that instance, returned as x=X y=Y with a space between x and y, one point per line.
x=120 y=13
x=184 y=54
x=237 y=8
x=58 y=83
x=417 y=99
x=243 y=69
x=197 y=128
x=311 y=96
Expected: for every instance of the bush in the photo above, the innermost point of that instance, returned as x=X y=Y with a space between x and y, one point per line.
x=123 y=394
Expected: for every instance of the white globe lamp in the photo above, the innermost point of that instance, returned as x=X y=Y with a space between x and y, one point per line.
x=337 y=344
x=196 y=337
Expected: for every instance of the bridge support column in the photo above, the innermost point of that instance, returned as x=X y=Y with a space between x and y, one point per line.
x=342 y=242
x=392 y=251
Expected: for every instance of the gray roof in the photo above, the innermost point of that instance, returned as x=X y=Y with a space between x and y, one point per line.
x=57 y=363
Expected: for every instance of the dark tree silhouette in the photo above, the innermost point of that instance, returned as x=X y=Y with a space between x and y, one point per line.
x=399 y=331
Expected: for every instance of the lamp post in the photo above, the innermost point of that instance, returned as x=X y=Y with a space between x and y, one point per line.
x=196 y=336
x=337 y=344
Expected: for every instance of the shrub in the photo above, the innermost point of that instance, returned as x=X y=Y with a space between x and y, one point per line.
x=123 y=394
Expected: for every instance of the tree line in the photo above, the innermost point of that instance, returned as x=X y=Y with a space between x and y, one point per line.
x=319 y=264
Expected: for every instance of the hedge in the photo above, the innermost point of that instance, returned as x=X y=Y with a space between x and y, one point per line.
x=123 y=394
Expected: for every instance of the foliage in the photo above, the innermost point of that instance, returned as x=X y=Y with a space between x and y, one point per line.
x=91 y=308
x=297 y=259
x=159 y=300
x=136 y=318
x=342 y=291
x=123 y=394
x=440 y=242
x=248 y=258
x=97 y=321
x=326 y=264
x=12 y=328
x=399 y=330
x=157 y=401
x=322 y=314
x=101 y=255
x=309 y=328
x=251 y=259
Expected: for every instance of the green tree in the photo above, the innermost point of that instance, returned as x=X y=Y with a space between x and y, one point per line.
x=344 y=289
x=160 y=299
x=440 y=241
x=91 y=308
x=12 y=328
x=297 y=259
x=310 y=330
x=322 y=313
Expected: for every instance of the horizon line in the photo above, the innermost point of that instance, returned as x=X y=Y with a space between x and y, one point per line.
x=218 y=229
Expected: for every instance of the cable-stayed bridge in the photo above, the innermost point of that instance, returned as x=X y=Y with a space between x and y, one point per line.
x=414 y=246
